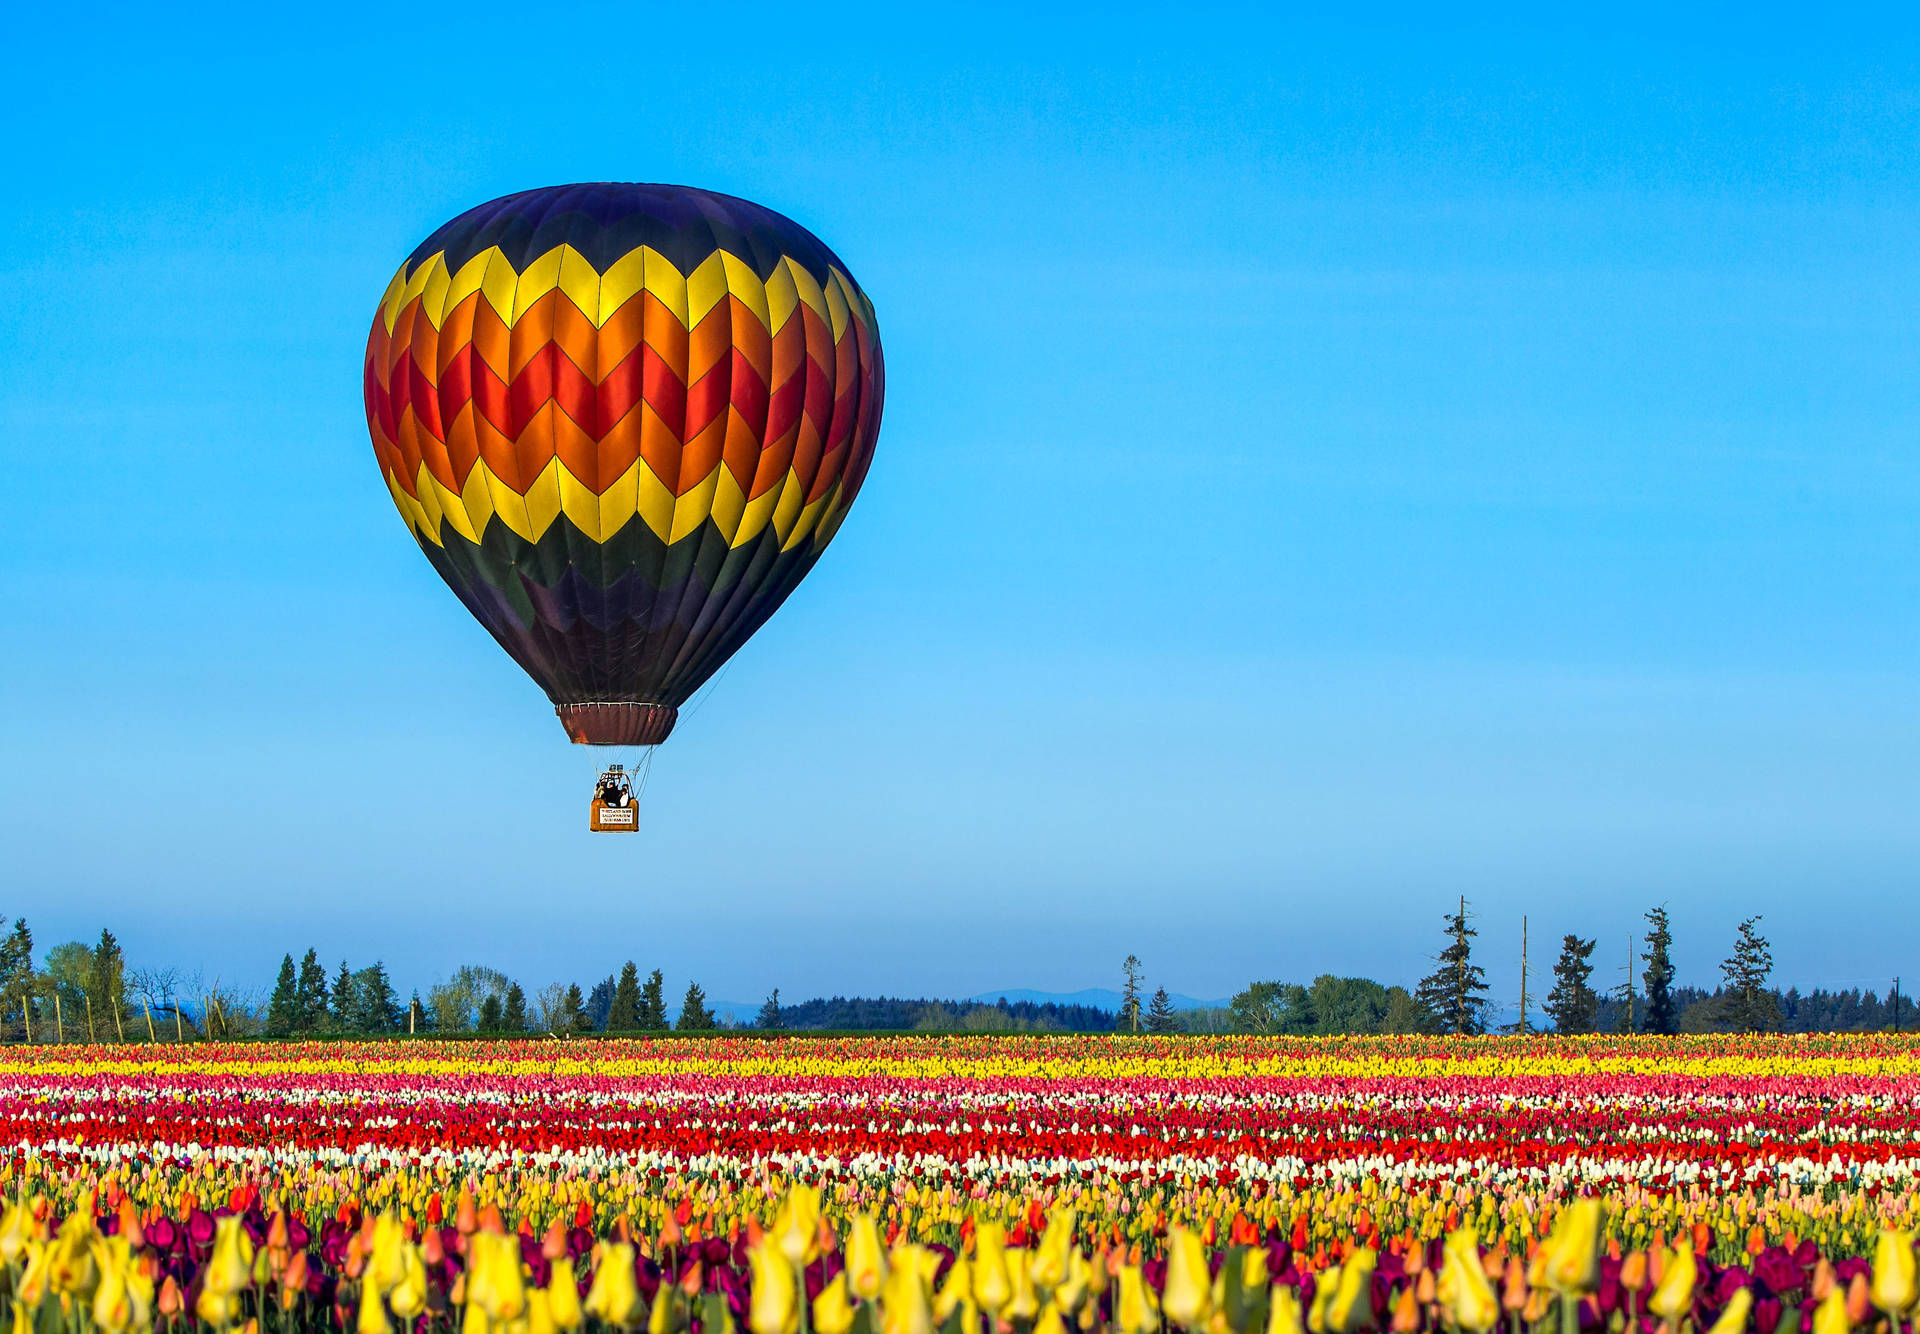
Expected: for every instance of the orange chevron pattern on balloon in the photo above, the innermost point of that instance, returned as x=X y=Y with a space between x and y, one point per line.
x=623 y=421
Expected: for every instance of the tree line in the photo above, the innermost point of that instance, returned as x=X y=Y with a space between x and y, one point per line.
x=89 y=992
x=1453 y=997
x=475 y=999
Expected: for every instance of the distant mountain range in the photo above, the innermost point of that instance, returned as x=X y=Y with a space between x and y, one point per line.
x=1100 y=998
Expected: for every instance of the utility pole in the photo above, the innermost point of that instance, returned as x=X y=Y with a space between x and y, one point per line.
x=1629 y=982
x=1523 y=974
x=1896 y=1005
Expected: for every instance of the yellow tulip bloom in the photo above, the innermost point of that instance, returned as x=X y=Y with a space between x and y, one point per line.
x=1896 y=1287
x=112 y=1305
x=230 y=1270
x=1351 y=1306
x=73 y=1270
x=17 y=1228
x=408 y=1297
x=1072 y=1292
x=992 y=1285
x=1325 y=1284
x=774 y=1307
x=1464 y=1285
x=1831 y=1316
x=1673 y=1296
x=956 y=1294
x=904 y=1308
x=1134 y=1308
x=387 y=1262
x=832 y=1309
x=1187 y=1297
x=1734 y=1315
x=373 y=1316
x=563 y=1296
x=1023 y=1305
x=1572 y=1252
x=539 y=1313
x=493 y=1280
x=219 y=1309
x=614 y=1296
x=38 y=1277
x=866 y=1264
x=1283 y=1312
x=796 y=1225
x=1052 y=1259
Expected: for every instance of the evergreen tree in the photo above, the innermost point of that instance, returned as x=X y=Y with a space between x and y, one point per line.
x=107 y=987
x=600 y=1002
x=1657 y=980
x=623 y=1016
x=16 y=955
x=1749 y=1006
x=283 y=1008
x=694 y=1013
x=1129 y=1016
x=340 y=1009
x=417 y=1018
x=1452 y=992
x=311 y=993
x=490 y=1015
x=17 y=978
x=1160 y=1014
x=513 y=1015
x=376 y=1007
x=574 y=1012
x=653 y=1003
x=1572 y=1004
x=769 y=1017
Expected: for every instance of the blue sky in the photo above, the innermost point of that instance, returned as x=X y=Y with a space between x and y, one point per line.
x=1328 y=468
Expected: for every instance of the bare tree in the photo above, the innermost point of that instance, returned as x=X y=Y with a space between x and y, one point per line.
x=1130 y=993
x=155 y=988
x=550 y=1008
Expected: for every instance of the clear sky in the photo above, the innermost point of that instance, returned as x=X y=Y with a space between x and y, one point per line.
x=1327 y=469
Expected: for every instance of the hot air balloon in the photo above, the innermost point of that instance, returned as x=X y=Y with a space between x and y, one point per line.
x=623 y=421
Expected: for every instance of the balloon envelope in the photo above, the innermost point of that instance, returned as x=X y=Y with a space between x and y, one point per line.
x=623 y=422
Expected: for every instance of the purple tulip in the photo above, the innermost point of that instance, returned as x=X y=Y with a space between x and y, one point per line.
x=1777 y=1270
x=1730 y=1282
x=162 y=1235
x=646 y=1277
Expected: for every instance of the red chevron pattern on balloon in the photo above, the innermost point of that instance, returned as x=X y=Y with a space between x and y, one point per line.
x=601 y=382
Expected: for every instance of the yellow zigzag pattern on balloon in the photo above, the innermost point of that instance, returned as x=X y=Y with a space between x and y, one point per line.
x=637 y=494
x=598 y=295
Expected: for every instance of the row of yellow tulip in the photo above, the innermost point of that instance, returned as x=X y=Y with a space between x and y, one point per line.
x=799 y=1275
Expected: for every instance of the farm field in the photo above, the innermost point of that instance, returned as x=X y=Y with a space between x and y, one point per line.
x=1770 y=1166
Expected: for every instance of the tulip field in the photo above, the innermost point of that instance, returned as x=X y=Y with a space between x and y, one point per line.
x=971 y=1185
